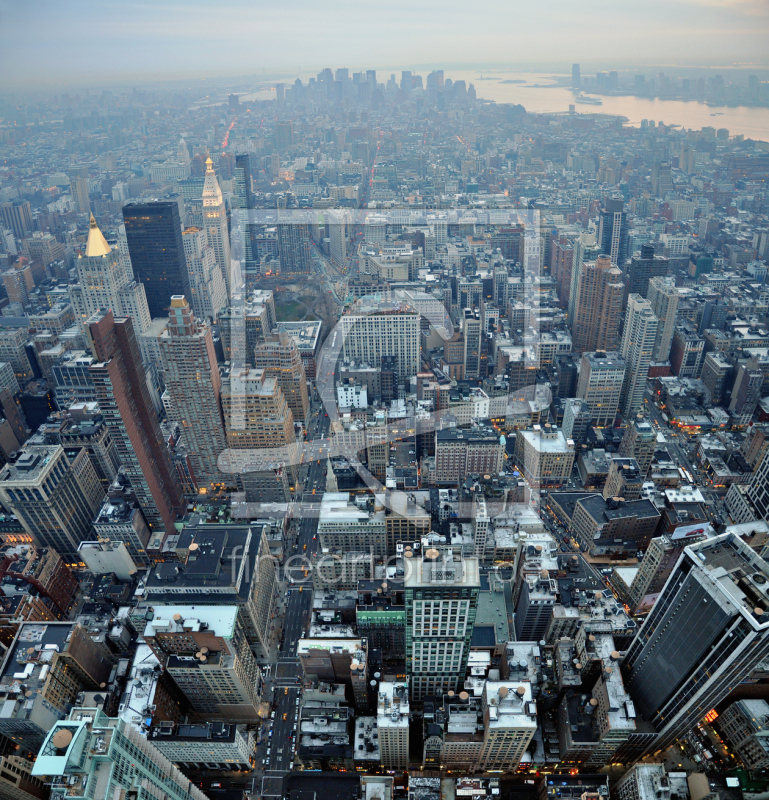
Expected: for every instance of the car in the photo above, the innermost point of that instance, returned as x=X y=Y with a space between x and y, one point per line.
x=284 y=717
x=300 y=588
x=216 y=785
x=270 y=736
x=285 y=691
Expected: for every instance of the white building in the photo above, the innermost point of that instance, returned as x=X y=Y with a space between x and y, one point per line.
x=207 y=287
x=393 y=725
x=103 y=557
x=351 y=395
x=215 y=222
x=510 y=719
x=638 y=338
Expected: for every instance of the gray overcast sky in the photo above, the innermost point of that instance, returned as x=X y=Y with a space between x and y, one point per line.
x=55 y=41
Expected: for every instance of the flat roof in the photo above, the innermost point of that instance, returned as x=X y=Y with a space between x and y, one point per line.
x=220 y=619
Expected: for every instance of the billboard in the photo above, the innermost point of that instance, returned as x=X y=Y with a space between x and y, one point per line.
x=692 y=531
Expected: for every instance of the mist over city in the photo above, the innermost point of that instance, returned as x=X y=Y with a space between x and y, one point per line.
x=384 y=400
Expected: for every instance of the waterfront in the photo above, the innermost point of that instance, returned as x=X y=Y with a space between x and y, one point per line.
x=536 y=96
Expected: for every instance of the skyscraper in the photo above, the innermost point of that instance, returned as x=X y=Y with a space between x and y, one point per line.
x=393 y=725
x=612 y=231
x=294 y=247
x=90 y=749
x=243 y=195
x=600 y=384
x=598 y=307
x=471 y=334
x=125 y=403
x=215 y=222
x=704 y=635
x=208 y=290
x=78 y=185
x=154 y=235
x=441 y=601
x=192 y=380
x=664 y=298
x=105 y=281
x=55 y=494
x=585 y=249
x=639 y=442
x=575 y=76
x=642 y=268
x=279 y=357
x=746 y=392
x=638 y=339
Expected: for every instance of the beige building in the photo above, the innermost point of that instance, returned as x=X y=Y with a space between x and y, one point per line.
x=600 y=383
x=545 y=455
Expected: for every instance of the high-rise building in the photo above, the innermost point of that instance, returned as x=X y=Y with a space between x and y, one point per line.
x=642 y=268
x=664 y=297
x=716 y=375
x=545 y=456
x=510 y=722
x=598 y=306
x=687 y=350
x=382 y=329
x=69 y=661
x=105 y=281
x=337 y=232
x=612 y=231
x=55 y=495
x=461 y=452
x=204 y=648
x=706 y=632
x=194 y=384
x=156 y=247
x=576 y=80
x=600 y=383
x=17 y=216
x=78 y=184
x=639 y=442
x=393 y=725
x=90 y=750
x=638 y=339
x=208 y=289
x=662 y=179
x=441 y=590
x=13 y=351
x=294 y=247
x=215 y=224
x=243 y=327
x=279 y=357
x=243 y=194
x=125 y=403
x=746 y=392
x=585 y=249
x=17 y=781
x=471 y=330
x=577 y=418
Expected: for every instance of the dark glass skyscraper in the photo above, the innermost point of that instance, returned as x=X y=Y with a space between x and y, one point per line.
x=243 y=196
x=154 y=234
x=612 y=232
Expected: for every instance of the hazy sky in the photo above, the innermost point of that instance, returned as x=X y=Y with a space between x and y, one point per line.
x=55 y=41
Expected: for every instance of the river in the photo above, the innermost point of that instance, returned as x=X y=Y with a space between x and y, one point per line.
x=540 y=93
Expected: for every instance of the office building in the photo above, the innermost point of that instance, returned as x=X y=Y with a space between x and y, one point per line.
x=661 y=177
x=441 y=590
x=687 y=351
x=472 y=339
x=279 y=357
x=90 y=751
x=16 y=215
x=17 y=781
x=643 y=267
x=125 y=404
x=746 y=392
x=78 y=184
x=613 y=527
x=624 y=479
x=352 y=524
x=205 y=650
x=208 y=290
x=745 y=726
x=243 y=327
x=156 y=247
x=459 y=453
x=383 y=328
x=55 y=495
x=295 y=246
x=510 y=722
x=67 y=662
x=663 y=297
x=598 y=306
x=639 y=442
x=204 y=745
x=612 y=231
x=716 y=375
x=105 y=281
x=600 y=383
x=243 y=193
x=392 y=720
x=193 y=383
x=638 y=339
x=586 y=250
x=215 y=224
x=577 y=418
x=337 y=233
x=706 y=632
x=544 y=455
x=13 y=351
